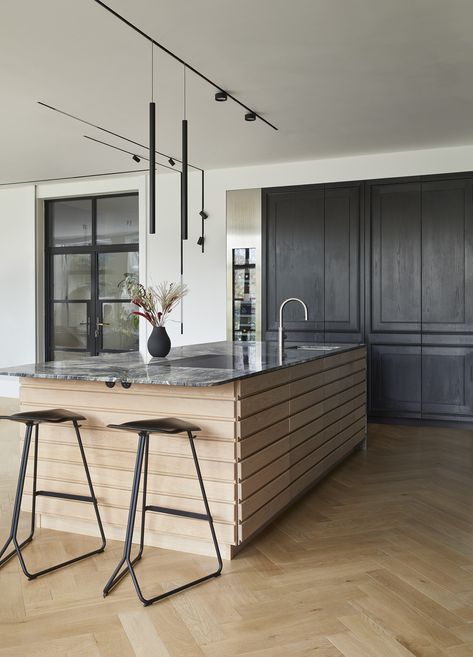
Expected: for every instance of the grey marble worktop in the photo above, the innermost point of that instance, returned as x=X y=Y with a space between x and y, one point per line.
x=207 y=364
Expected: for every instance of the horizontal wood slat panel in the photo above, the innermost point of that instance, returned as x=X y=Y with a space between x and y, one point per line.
x=178 y=445
x=162 y=464
x=251 y=504
x=114 y=478
x=319 y=428
x=259 y=441
x=280 y=502
x=118 y=516
x=120 y=497
x=256 y=384
x=149 y=405
x=311 y=413
x=218 y=429
x=225 y=391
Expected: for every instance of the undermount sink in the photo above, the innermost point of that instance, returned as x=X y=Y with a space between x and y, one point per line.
x=314 y=347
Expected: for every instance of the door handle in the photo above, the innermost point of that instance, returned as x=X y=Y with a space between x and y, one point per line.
x=98 y=327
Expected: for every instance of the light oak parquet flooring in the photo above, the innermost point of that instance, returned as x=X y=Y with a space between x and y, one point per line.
x=377 y=561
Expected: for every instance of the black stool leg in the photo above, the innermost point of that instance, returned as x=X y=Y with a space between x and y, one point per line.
x=91 y=488
x=206 y=504
x=19 y=496
x=143 y=447
x=17 y=506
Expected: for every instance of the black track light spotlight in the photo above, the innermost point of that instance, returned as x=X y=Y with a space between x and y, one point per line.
x=136 y=158
x=203 y=214
x=250 y=116
x=172 y=162
x=221 y=96
x=201 y=240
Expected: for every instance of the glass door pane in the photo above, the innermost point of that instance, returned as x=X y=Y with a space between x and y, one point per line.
x=70 y=330
x=72 y=276
x=70 y=222
x=120 y=328
x=113 y=268
x=117 y=220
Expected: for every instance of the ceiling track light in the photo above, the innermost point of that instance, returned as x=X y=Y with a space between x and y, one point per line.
x=135 y=158
x=172 y=162
x=203 y=214
x=201 y=240
x=110 y=132
x=180 y=60
x=250 y=116
x=123 y=150
x=221 y=96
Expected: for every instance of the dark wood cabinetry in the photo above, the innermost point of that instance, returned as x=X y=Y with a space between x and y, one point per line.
x=401 y=281
x=311 y=250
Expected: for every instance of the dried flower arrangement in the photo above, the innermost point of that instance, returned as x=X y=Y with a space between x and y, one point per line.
x=157 y=303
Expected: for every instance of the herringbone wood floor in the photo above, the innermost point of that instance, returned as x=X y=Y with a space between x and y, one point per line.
x=377 y=561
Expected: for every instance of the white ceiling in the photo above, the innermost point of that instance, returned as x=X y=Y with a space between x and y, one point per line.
x=336 y=76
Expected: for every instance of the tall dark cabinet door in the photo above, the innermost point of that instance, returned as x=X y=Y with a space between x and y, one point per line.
x=394 y=307
x=342 y=265
x=396 y=258
x=447 y=300
x=447 y=257
x=294 y=258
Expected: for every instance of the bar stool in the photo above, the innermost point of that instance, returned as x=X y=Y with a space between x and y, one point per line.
x=34 y=419
x=144 y=428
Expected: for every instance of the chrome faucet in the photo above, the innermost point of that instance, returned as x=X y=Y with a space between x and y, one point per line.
x=281 y=328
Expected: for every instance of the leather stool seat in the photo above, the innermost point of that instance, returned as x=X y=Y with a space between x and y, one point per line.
x=51 y=415
x=163 y=425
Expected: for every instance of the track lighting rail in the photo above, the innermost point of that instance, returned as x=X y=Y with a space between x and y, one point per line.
x=114 y=134
x=184 y=63
x=123 y=150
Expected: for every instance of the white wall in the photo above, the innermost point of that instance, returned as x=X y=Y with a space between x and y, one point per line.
x=17 y=281
x=205 y=307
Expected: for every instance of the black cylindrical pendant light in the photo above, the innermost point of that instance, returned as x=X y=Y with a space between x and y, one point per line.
x=152 y=168
x=184 y=185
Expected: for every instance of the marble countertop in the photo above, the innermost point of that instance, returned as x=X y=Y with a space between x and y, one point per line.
x=207 y=364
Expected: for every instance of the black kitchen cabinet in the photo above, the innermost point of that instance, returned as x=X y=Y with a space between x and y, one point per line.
x=395 y=380
x=447 y=387
x=311 y=250
x=447 y=257
x=401 y=281
x=294 y=261
x=396 y=258
x=421 y=292
x=342 y=271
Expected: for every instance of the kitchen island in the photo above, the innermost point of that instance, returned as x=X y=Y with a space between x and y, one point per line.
x=270 y=430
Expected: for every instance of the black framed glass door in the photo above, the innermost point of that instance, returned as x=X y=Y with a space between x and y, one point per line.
x=91 y=245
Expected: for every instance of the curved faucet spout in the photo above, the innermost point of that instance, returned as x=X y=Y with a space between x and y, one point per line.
x=281 y=327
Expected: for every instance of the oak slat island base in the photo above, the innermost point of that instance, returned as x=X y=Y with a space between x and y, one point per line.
x=265 y=440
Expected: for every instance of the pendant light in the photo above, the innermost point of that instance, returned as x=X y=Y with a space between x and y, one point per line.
x=152 y=152
x=184 y=173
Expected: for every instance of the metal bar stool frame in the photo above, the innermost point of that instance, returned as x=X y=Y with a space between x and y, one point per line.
x=13 y=537
x=142 y=457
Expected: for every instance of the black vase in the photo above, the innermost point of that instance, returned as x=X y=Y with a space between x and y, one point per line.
x=159 y=343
